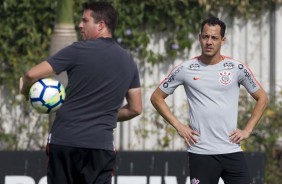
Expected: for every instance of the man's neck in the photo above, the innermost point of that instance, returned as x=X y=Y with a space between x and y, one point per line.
x=211 y=60
x=105 y=35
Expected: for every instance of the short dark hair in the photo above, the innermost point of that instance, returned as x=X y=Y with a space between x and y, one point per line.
x=103 y=11
x=215 y=21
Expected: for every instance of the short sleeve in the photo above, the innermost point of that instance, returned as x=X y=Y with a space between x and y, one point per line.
x=64 y=59
x=173 y=80
x=247 y=79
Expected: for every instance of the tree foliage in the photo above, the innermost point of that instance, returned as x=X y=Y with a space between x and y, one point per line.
x=265 y=136
x=26 y=27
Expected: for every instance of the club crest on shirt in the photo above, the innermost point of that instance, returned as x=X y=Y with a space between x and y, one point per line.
x=225 y=78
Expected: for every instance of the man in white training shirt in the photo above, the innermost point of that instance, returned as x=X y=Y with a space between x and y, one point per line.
x=212 y=83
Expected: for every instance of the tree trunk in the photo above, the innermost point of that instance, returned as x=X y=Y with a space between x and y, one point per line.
x=63 y=35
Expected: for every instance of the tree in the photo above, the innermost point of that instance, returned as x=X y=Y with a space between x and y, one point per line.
x=24 y=41
x=63 y=34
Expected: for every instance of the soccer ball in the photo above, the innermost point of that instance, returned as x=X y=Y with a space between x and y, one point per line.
x=47 y=95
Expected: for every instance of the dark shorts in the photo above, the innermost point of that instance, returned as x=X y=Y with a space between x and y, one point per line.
x=70 y=165
x=207 y=169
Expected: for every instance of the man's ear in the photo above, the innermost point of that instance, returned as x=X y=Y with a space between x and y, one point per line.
x=223 y=40
x=102 y=25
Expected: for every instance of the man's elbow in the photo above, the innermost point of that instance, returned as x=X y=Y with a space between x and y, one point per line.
x=27 y=79
x=265 y=101
x=30 y=77
x=137 y=111
x=153 y=99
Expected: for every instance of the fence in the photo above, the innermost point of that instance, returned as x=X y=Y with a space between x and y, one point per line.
x=131 y=167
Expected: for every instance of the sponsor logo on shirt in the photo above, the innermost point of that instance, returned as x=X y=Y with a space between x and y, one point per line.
x=165 y=84
x=228 y=65
x=171 y=77
x=249 y=77
x=194 y=66
x=240 y=66
x=225 y=78
x=196 y=78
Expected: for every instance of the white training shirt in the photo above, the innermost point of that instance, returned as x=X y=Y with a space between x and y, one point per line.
x=212 y=93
